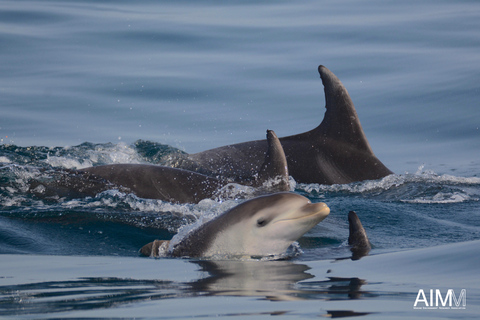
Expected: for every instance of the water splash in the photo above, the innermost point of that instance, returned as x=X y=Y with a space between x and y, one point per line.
x=399 y=211
x=421 y=187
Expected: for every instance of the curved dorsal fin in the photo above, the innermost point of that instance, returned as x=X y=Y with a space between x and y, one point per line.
x=357 y=238
x=275 y=166
x=341 y=120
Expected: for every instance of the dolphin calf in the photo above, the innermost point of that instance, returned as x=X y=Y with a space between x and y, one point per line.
x=335 y=152
x=262 y=226
x=164 y=183
x=357 y=239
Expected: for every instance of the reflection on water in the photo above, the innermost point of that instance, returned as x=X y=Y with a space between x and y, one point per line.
x=80 y=294
x=267 y=280
x=273 y=280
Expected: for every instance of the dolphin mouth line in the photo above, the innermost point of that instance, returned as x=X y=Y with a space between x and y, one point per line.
x=324 y=211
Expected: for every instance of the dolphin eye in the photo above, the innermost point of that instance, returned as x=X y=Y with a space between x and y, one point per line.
x=261 y=222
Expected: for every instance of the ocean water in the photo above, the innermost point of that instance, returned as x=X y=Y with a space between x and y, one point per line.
x=84 y=83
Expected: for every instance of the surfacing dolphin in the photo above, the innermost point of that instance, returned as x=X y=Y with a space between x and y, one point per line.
x=164 y=183
x=263 y=226
x=336 y=152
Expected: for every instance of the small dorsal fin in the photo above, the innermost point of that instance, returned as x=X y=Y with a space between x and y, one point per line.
x=341 y=121
x=275 y=166
x=357 y=238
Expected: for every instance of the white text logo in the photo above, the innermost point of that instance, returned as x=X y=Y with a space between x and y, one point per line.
x=435 y=300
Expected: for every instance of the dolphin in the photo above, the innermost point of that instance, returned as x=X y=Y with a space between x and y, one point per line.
x=263 y=226
x=164 y=183
x=335 y=152
x=357 y=238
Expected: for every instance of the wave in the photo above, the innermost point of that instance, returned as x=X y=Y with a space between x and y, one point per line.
x=77 y=157
x=422 y=187
x=20 y=164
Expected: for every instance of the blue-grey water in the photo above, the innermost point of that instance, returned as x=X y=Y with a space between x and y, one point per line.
x=94 y=82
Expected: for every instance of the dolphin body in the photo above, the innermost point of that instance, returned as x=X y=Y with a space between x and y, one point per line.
x=335 y=152
x=263 y=226
x=164 y=183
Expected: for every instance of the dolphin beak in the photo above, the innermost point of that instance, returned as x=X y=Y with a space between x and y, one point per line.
x=315 y=212
x=319 y=210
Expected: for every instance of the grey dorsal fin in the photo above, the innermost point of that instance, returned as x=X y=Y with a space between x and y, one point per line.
x=357 y=238
x=341 y=120
x=275 y=166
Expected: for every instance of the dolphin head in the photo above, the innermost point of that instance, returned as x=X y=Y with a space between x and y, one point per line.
x=265 y=225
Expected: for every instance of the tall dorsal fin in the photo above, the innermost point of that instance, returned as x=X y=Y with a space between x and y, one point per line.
x=341 y=120
x=275 y=165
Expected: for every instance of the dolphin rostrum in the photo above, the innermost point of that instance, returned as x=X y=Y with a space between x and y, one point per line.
x=263 y=226
x=163 y=183
x=335 y=152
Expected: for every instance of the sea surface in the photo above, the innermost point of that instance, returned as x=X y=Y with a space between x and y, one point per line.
x=85 y=83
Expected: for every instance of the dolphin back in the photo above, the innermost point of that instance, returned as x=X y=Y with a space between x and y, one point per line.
x=335 y=152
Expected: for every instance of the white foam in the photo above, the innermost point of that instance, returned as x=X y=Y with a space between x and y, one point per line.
x=67 y=163
x=452 y=189
x=4 y=160
x=442 y=198
x=120 y=153
x=101 y=154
